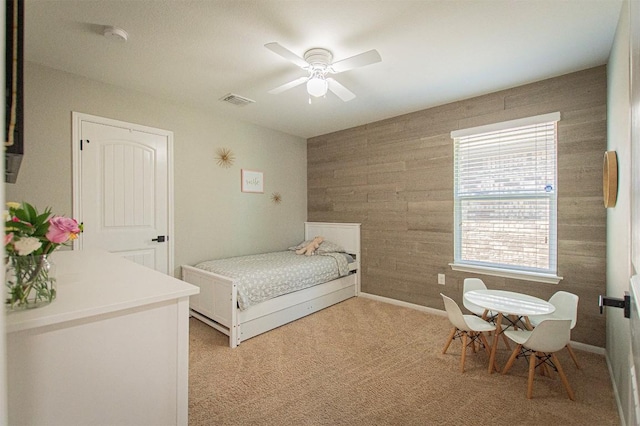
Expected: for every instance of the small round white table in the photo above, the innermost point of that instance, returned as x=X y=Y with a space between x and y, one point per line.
x=507 y=303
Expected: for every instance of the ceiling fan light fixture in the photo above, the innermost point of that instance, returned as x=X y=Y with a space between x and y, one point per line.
x=318 y=62
x=317 y=86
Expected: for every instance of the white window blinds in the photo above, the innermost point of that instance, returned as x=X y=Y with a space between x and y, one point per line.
x=506 y=195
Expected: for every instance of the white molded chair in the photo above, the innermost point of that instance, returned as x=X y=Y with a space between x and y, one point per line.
x=466 y=327
x=566 y=305
x=471 y=284
x=548 y=337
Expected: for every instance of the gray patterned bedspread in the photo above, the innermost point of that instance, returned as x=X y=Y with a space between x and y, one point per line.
x=264 y=276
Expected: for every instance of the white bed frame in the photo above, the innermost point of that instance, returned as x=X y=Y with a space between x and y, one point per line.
x=217 y=303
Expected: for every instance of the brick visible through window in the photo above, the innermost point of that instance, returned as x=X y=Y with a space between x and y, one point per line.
x=505 y=195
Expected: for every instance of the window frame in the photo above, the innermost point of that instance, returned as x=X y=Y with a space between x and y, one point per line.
x=487 y=268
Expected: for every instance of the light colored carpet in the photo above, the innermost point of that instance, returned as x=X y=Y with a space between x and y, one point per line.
x=364 y=362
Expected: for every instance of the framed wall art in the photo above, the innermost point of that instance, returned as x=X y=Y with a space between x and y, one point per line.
x=252 y=181
x=14 y=89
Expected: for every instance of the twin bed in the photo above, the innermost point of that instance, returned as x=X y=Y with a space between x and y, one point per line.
x=246 y=296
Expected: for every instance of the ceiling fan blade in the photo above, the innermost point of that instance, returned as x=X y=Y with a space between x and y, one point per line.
x=339 y=90
x=287 y=54
x=367 y=58
x=289 y=85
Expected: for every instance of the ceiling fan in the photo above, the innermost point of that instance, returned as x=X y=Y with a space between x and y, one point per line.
x=318 y=63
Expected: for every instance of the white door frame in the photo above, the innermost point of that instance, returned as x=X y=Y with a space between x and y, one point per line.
x=77 y=118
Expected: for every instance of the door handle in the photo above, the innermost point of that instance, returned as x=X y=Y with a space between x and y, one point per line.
x=616 y=302
x=160 y=239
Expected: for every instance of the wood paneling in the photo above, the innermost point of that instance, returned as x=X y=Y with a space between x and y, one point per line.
x=396 y=178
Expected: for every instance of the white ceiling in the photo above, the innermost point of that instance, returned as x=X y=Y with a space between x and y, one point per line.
x=433 y=51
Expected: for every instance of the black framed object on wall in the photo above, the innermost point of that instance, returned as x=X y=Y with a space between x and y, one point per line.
x=14 y=96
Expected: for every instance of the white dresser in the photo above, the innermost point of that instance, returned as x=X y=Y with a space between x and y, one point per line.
x=113 y=348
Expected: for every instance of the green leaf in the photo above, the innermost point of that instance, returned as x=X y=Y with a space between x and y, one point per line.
x=31 y=212
x=22 y=215
x=42 y=219
x=18 y=227
x=42 y=229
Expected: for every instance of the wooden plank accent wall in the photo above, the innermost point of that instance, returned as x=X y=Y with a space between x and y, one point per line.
x=396 y=178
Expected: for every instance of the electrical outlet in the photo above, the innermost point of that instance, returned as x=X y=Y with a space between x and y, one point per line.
x=441 y=279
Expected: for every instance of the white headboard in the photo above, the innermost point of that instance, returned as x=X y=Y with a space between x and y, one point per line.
x=345 y=234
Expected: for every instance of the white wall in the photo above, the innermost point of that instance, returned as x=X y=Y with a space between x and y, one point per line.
x=618 y=218
x=212 y=217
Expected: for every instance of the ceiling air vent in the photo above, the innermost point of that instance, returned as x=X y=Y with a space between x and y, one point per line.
x=238 y=100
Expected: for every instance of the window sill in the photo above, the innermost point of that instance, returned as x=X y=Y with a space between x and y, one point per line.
x=507 y=273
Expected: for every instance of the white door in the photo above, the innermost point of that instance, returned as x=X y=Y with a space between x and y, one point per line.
x=633 y=417
x=122 y=193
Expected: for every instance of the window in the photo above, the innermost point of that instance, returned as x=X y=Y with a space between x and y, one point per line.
x=505 y=198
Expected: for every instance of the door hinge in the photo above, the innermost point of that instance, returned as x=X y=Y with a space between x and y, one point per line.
x=81 y=141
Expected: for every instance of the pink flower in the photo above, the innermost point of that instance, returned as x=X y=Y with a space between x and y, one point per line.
x=61 y=229
x=7 y=238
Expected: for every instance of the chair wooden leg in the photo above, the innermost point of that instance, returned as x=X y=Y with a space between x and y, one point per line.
x=506 y=341
x=485 y=342
x=532 y=371
x=573 y=356
x=565 y=382
x=541 y=366
x=544 y=371
x=527 y=322
x=464 y=352
x=514 y=321
x=512 y=358
x=446 y=346
x=494 y=346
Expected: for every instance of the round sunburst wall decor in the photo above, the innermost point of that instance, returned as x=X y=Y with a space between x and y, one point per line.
x=610 y=179
x=225 y=157
x=276 y=197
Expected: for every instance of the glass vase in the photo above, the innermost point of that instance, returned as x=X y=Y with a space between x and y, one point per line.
x=30 y=282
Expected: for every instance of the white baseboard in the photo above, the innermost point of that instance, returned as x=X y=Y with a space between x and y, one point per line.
x=588 y=348
x=404 y=304
x=576 y=345
x=616 y=395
